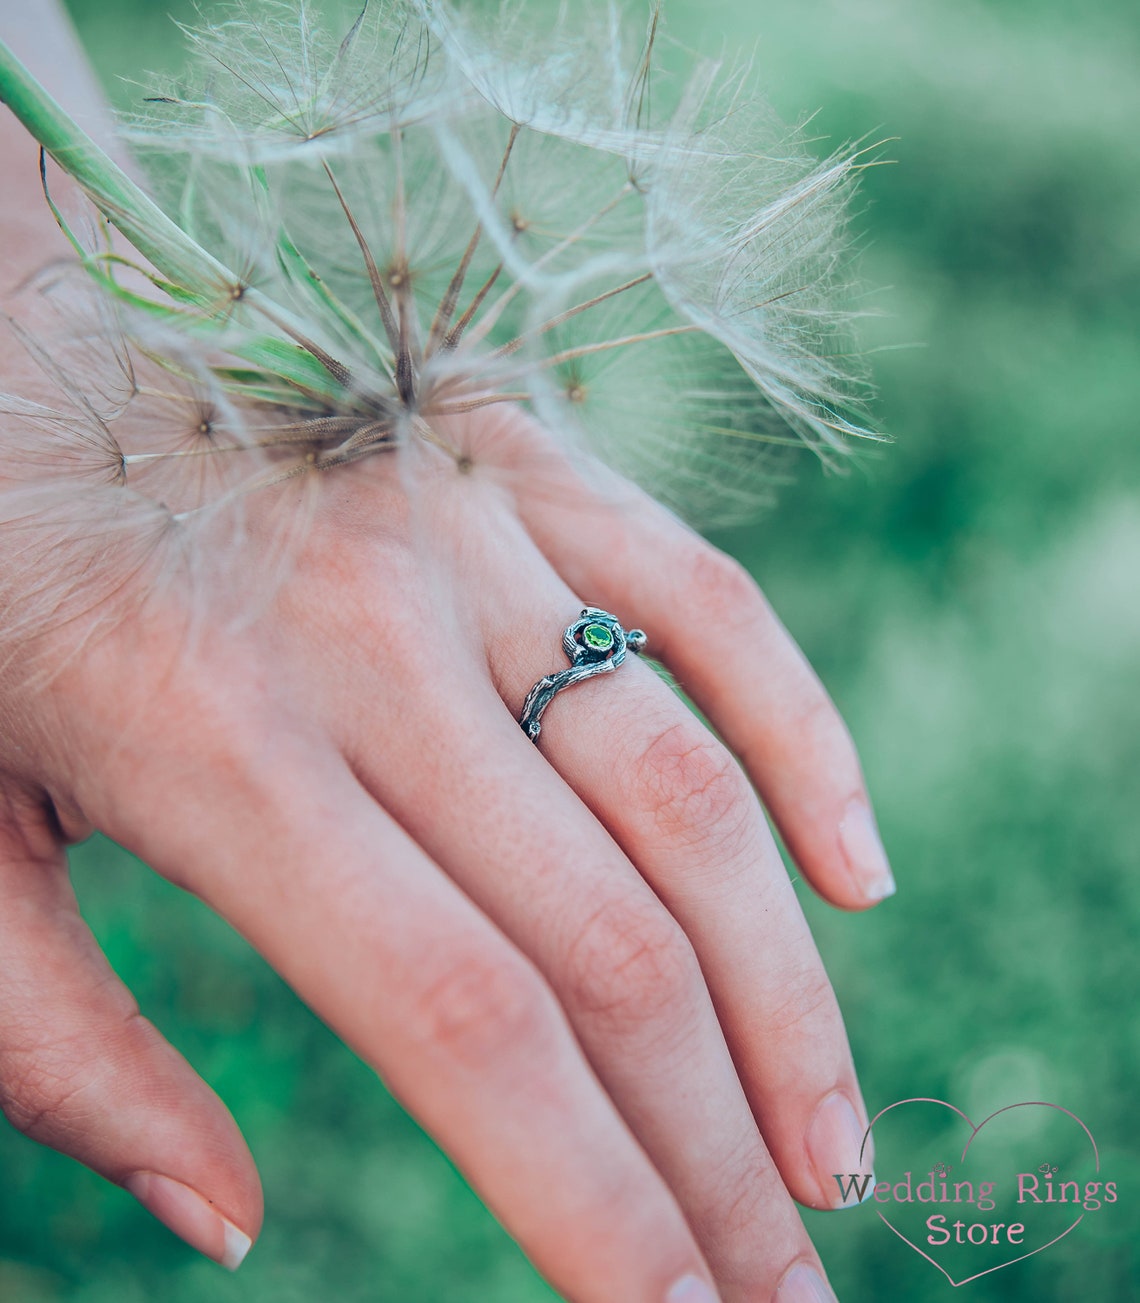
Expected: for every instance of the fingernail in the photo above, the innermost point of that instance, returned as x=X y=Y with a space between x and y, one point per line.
x=691 y=1289
x=863 y=848
x=834 y=1140
x=191 y=1217
x=804 y=1284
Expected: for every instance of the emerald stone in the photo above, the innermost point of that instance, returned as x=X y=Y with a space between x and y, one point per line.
x=598 y=637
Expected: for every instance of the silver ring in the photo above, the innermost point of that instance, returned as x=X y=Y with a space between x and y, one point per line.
x=594 y=644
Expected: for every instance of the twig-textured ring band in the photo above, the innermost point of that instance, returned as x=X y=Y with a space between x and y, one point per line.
x=594 y=644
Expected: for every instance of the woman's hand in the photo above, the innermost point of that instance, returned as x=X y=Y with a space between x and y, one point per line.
x=581 y=965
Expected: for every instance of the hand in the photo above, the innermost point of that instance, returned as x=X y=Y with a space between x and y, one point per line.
x=581 y=965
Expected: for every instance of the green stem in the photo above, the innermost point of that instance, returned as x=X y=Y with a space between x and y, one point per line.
x=125 y=205
x=194 y=274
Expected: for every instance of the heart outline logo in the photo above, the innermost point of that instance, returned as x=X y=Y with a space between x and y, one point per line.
x=1036 y=1103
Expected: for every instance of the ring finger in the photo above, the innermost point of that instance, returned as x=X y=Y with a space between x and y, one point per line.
x=682 y=810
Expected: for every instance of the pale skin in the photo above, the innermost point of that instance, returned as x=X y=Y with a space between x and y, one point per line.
x=581 y=965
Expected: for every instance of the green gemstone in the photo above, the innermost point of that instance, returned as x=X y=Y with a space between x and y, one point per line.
x=598 y=637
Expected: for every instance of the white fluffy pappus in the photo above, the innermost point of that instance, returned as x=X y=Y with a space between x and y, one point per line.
x=386 y=217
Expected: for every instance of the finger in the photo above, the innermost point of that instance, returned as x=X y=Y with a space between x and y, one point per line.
x=278 y=836
x=709 y=622
x=682 y=810
x=519 y=842
x=82 y=1071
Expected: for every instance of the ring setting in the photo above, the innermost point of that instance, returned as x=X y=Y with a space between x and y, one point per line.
x=594 y=644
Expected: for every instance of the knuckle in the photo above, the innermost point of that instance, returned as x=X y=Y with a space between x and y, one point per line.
x=211 y=742
x=630 y=965
x=804 y=997
x=352 y=603
x=691 y=787
x=744 y=1192
x=481 y=1008
x=203 y=689
x=45 y=1088
x=813 y=718
x=58 y=1084
x=720 y=585
x=35 y=1100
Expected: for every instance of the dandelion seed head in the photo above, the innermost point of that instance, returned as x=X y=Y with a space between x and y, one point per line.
x=391 y=216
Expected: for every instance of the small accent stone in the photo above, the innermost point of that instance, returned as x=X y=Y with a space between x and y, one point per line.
x=598 y=637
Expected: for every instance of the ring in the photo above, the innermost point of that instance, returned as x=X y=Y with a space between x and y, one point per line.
x=594 y=644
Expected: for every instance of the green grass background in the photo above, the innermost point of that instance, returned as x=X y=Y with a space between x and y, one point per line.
x=972 y=600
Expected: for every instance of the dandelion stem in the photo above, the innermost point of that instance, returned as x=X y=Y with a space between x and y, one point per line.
x=378 y=291
x=470 y=405
x=405 y=367
x=375 y=434
x=601 y=346
x=316 y=428
x=147 y=227
x=435 y=438
x=194 y=274
x=641 y=83
x=455 y=334
x=135 y=458
x=515 y=344
x=496 y=310
x=446 y=308
x=302 y=432
x=339 y=372
x=312 y=462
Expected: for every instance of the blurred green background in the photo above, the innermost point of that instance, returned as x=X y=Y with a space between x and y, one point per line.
x=972 y=600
